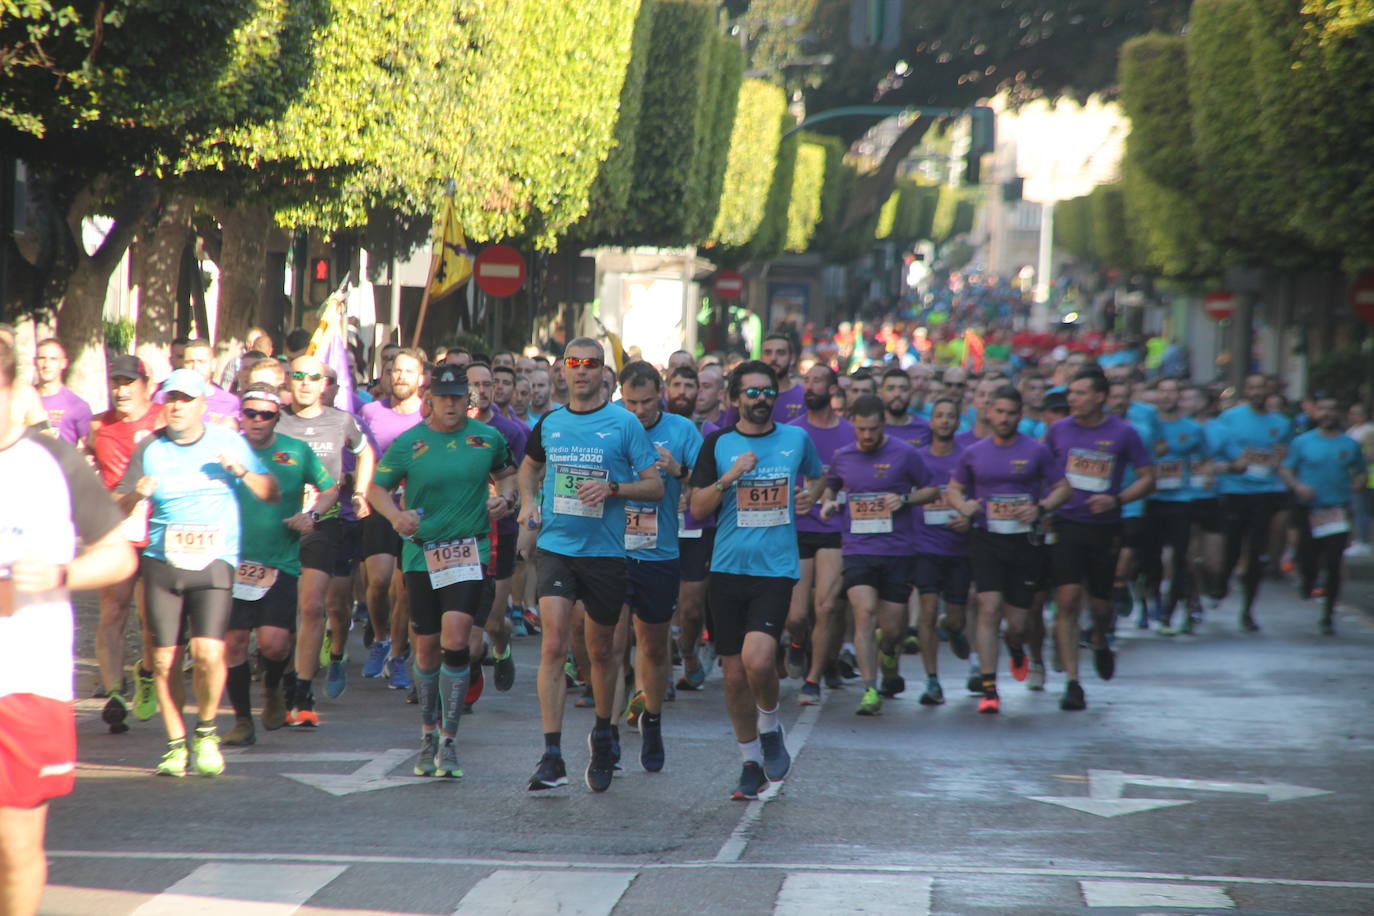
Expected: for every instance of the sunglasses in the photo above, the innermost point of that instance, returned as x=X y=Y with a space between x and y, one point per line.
x=251 y=414
x=576 y=362
x=302 y=376
x=761 y=392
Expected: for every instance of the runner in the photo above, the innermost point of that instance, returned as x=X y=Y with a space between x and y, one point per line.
x=69 y=417
x=539 y=394
x=326 y=551
x=941 y=539
x=755 y=564
x=221 y=407
x=811 y=615
x=882 y=476
x=445 y=464
x=710 y=389
x=976 y=420
x=680 y=394
x=269 y=565
x=520 y=403
x=1092 y=449
x=895 y=392
x=503 y=391
x=1326 y=470
x=52 y=503
x=651 y=548
x=1197 y=404
x=1252 y=443
x=189 y=472
x=592 y=458
x=1010 y=482
x=132 y=417
x=383 y=420
x=780 y=357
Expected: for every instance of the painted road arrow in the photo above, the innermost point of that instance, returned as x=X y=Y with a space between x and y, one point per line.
x=1105 y=789
x=369 y=777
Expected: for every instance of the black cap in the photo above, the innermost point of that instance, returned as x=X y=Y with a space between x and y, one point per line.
x=449 y=379
x=127 y=366
x=1056 y=400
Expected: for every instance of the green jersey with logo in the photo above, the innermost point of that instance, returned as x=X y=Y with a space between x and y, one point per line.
x=265 y=538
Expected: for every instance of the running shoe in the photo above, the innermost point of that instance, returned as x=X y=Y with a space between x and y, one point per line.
x=974 y=684
x=934 y=695
x=634 y=708
x=849 y=665
x=274 y=708
x=870 y=705
x=751 y=783
x=1326 y=627
x=517 y=621
x=375 y=664
x=476 y=684
x=242 y=734
x=810 y=694
x=831 y=676
x=958 y=641
x=550 y=774
x=1035 y=680
x=336 y=679
x=145 y=696
x=570 y=674
x=891 y=685
x=503 y=672
x=796 y=661
x=1247 y=624
x=1189 y=624
x=429 y=750
x=532 y=623
x=1019 y=663
x=669 y=692
x=326 y=647
x=205 y=748
x=692 y=680
x=398 y=672
x=303 y=718
x=174 y=762
x=601 y=766
x=1073 y=697
x=911 y=643
x=776 y=760
x=115 y=712
x=447 y=765
x=651 y=753
x=990 y=704
x=1104 y=661
x=587 y=700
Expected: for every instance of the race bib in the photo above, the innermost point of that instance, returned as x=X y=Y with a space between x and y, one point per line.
x=309 y=497
x=763 y=502
x=1089 y=470
x=453 y=561
x=566 y=477
x=1258 y=464
x=135 y=527
x=253 y=580
x=939 y=512
x=1199 y=482
x=641 y=527
x=1329 y=521
x=1001 y=512
x=1169 y=475
x=869 y=514
x=683 y=531
x=192 y=547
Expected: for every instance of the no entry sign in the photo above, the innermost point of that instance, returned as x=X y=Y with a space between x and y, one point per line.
x=729 y=284
x=499 y=270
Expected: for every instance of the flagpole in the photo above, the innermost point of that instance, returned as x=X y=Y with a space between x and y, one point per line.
x=434 y=261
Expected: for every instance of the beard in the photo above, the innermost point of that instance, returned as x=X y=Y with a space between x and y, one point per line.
x=816 y=401
x=759 y=413
x=682 y=406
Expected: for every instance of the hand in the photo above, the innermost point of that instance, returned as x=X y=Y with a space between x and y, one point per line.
x=593 y=492
x=1102 y=502
x=145 y=487
x=31 y=576
x=227 y=462
x=361 y=508
x=892 y=501
x=407 y=523
x=529 y=516
x=804 y=500
x=961 y=523
x=828 y=508
x=1027 y=513
x=1161 y=447
x=682 y=501
x=743 y=465
x=1305 y=493
x=498 y=508
x=670 y=466
x=300 y=522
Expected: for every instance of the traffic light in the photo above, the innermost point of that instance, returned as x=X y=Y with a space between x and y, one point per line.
x=319 y=270
x=982 y=139
x=875 y=23
x=1013 y=189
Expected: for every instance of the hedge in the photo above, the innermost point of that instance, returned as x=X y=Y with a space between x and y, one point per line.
x=808 y=186
x=752 y=157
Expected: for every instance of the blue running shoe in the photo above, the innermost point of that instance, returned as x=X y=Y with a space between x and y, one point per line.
x=397 y=673
x=517 y=621
x=336 y=680
x=375 y=664
x=776 y=760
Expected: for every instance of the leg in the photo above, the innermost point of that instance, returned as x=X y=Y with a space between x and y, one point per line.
x=930 y=644
x=864 y=600
x=400 y=618
x=115 y=601
x=23 y=866
x=758 y=656
x=605 y=667
x=338 y=602
x=207 y=678
x=1333 y=548
x=892 y=624
x=989 y=633
x=498 y=621
x=829 y=570
x=310 y=628
x=1069 y=599
x=164 y=668
x=739 y=701
x=555 y=614
x=652 y=662
x=380 y=568
x=691 y=603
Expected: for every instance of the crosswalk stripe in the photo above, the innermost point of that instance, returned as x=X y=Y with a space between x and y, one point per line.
x=224 y=889
x=1143 y=893
x=823 y=893
x=519 y=892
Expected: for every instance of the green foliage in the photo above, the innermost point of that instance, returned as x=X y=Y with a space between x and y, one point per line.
x=719 y=117
x=953 y=214
x=830 y=240
x=1167 y=227
x=752 y=158
x=887 y=216
x=1073 y=227
x=771 y=238
x=1111 y=239
x=1154 y=94
x=1340 y=374
x=119 y=335
x=808 y=185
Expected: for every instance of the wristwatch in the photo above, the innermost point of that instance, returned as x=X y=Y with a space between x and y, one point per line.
x=615 y=488
x=906 y=499
x=314 y=516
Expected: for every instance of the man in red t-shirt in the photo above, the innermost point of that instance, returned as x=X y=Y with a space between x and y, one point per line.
x=132 y=417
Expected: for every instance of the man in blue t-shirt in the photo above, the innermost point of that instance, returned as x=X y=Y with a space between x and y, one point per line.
x=1325 y=469
x=592 y=458
x=651 y=548
x=190 y=472
x=753 y=474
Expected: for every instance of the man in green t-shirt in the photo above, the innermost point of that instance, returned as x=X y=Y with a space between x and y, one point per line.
x=446 y=464
x=269 y=560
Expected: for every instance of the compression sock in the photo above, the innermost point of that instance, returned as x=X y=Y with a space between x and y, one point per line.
x=553 y=742
x=272 y=671
x=453 y=686
x=427 y=690
x=238 y=683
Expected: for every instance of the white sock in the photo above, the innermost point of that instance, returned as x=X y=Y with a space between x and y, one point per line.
x=768 y=719
x=751 y=751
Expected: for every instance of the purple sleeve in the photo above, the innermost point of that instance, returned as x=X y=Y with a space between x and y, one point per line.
x=963 y=474
x=1135 y=450
x=919 y=472
x=1051 y=466
x=833 y=480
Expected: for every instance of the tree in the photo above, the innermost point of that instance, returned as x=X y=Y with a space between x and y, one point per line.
x=753 y=154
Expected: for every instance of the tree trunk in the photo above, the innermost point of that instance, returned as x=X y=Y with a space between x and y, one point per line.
x=874 y=188
x=159 y=269
x=242 y=270
x=81 y=327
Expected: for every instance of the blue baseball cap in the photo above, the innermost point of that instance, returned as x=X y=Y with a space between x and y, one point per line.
x=187 y=382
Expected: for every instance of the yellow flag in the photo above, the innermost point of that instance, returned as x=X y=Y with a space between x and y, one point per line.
x=617 y=350
x=453 y=261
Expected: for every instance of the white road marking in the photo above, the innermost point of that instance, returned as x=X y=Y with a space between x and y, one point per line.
x=1138 y=894
x=524 y=892
x=224 y=889
x=816 y=893
x=738 y=841
x=1106 y=787
x=367 y=778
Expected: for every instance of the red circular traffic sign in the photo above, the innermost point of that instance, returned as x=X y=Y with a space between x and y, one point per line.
x=499 y=270
x=1219 y=304
x=1362 y=297
x=729 y=284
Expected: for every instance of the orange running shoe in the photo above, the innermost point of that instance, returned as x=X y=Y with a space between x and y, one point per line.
x=990 y=704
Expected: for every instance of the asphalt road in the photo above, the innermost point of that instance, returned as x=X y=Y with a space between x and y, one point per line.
x=1224 y=771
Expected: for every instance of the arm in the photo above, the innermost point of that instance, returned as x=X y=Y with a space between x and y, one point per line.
x=503 y=503
x=954 y=495
x=1058 y=496
x=808 y=493
x=405 y=521
x=107 y=561
x=707 y=499
x=362 y=479
x=531 y=472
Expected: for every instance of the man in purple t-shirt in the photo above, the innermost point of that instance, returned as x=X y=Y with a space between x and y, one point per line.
x=1092 y=449
x=387 y=608
x=791 y=400
x=895 y=392
x=818 y=545
x=882 y=477
x=1009 y=482
x=221 y=407
x=68 y=416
